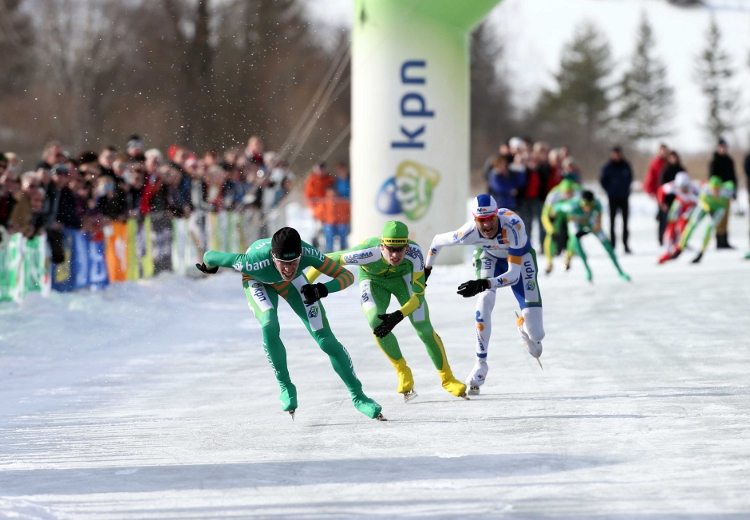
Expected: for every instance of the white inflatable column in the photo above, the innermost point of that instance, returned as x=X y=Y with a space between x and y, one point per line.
x=410 y=116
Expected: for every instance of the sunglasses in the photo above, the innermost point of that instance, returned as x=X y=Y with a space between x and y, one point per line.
x=287 y=261
x=394 y=249
x=485 y=218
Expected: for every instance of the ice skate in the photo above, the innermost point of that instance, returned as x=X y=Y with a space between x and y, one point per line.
x=288 y=398
x=380 y=417
x=367 y=406
x=291 y=413
x=451 y=384
x=477 y=376
x=548 y=269
x=697 y=258
x=411 y=394
x=473 y=390
x=405 y=378
x=534 y=347
x=625 y=277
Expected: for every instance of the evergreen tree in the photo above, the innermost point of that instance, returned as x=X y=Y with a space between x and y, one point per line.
x=582 y=95
x=646 y=101
x=714 y=72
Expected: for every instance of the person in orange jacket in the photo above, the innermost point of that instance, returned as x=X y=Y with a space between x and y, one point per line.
x=315 y=195
x=336 y=219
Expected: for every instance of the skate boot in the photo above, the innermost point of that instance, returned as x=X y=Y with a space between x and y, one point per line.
x=548 y=269
x=477 y=376
x=697 y=258
x=665 y=257
x=368 y=407
x=625 y=277
x=566 y=262
x=405 y=380
x=288 y=397
x=534 y=347
x=451 y=384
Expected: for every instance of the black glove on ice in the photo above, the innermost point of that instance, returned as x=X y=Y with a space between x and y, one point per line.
x=389 y=321
x=208 y=270
x=473 y=287
x=313 y=292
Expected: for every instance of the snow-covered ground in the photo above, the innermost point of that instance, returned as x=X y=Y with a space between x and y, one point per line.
x=155 y=400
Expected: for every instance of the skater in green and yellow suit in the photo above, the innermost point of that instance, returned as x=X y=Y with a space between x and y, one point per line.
x=274 y=267
x=394 y=265
x=555 y=222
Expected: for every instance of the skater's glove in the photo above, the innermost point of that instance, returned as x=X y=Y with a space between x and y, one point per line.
x=389 y=321
x=205 y=269
x=581 y=233
x=473 y=287
x=427 y=273
x=313 y=292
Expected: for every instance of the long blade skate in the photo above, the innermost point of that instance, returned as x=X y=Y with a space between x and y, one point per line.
x=291 y=413
x=411 y=394
x=519 y=320
x=473 y=390
x=540 y=363
x=380 y=417
x=465 y=396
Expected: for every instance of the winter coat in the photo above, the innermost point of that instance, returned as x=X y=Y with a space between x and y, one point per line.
x=501 y=186
x=616 y=178
x=653 y=176
x=722 y=166
x=669 y=172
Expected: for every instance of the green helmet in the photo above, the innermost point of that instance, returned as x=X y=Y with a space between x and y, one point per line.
x=714 y=181
x=568 y=185
x=395 y=233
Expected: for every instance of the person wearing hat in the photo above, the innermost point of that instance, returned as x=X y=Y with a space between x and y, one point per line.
x=555 y=222
x=394 y=265
x=722 y=166
x=584 y=217
x=273 y=267
x=713 y=201
x=684 y=197
x=503 y=258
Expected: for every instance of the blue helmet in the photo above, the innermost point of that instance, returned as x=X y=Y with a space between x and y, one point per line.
x=484 y=206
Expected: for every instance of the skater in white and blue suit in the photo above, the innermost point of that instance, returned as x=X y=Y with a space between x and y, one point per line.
x=503 y=257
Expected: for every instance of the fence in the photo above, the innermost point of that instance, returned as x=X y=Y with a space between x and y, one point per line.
x=123 y=251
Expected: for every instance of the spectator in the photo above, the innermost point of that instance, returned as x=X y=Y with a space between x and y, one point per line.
x=651 y=181
x=22 y=217
x=672 y=167
x=106 y=159
x=110 y=199
x=570 y=170
x=616 y=177
x=135 y=148
x=535 y=192
x=14 y=163
x=315 y=195
x=254 y=150
x=336 y=220
x=343 y=183
x=67 y=209
x=722 y=166
x=51 y=155
x=152 y=180
x=505 y=185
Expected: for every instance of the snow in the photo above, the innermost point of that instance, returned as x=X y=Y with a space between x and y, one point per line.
x=155 y=400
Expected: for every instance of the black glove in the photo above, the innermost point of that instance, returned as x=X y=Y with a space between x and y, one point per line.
x=313 y=292
x=389 y=321
x=427 y=273
x=581 y=233
x=208 y=270
x=473 y=287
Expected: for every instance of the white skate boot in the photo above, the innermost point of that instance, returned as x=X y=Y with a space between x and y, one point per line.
x=477 y=377
x=534 y=347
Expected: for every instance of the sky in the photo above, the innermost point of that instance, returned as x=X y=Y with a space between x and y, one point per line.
x=535 y=31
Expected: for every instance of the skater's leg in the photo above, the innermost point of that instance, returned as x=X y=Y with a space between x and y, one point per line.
x=263 y=301
x=486 y=267
x=610 y=251
x=420 y=320
x=624 y=211
x=612 y=217
x=574 y=245
x=375 y=299
x=527 y=293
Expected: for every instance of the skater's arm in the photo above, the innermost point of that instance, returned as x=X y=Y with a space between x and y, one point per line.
x=519 y=246
x=362 y=254
x=221 y=259
x=340 y=277
x=465 y=235
x=414 y=255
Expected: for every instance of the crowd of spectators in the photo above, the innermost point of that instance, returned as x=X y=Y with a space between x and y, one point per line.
x=522 y=173
x=328 y=196
x=91 y=189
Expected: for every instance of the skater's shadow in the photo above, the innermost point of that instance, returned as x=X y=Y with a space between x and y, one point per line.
x=241 y=475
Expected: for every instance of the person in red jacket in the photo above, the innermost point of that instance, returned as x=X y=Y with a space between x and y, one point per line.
x=652 y=182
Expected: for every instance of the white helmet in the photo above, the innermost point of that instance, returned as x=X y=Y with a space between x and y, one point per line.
x=484 y=206
x=682 y=179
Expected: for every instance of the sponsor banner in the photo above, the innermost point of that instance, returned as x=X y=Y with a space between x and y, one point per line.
x=12 y=269
x=116 y=252
x=161 y=238
x=35 y=266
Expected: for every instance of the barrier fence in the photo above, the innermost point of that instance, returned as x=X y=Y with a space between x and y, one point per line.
x=123 y=251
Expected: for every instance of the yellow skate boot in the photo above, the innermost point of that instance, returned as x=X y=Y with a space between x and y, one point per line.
x=451 y=384
x=405 y=380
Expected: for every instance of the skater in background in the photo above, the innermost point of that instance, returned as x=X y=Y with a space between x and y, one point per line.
x=394 y=265
x=556 y=223
x=684 y=196
x=274 y=267
x=713 y=201
x=503 y=258
x=585 y=216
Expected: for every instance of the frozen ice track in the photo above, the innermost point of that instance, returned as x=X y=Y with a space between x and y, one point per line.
x=155 y=400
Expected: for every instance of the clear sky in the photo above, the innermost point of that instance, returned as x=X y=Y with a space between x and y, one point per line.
x=534 y=32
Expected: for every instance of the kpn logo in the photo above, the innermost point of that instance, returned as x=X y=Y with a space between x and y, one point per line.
x=409 y=191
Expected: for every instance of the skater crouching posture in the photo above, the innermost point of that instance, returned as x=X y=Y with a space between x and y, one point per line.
x=555 y=224
x=394 y=265
x=677 y=199
x=584 y=217
x=503 y=257
x=273 y=267
x=713 y=201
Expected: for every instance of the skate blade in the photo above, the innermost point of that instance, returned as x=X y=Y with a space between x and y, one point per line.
x=473 y=390
x=291 y=413
x=540 y=363
x=380 y=417
x=408 y=396
x=465 y=396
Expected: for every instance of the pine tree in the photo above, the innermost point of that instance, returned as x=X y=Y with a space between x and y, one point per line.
x=646 y=101
x=714 y=72
x=582 y=94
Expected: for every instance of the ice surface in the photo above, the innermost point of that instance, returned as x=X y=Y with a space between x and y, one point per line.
x=155 y=400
